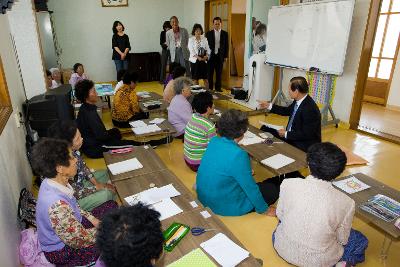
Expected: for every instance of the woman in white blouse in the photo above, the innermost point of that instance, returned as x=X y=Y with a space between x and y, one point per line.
x=199 y=55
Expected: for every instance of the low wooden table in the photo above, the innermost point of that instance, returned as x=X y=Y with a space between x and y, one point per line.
x=376 y=187
x=154 y=171
x=147 y=156
x=262 y=151
x=193 y=218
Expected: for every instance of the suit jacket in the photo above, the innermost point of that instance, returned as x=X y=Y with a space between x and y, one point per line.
x=223 y=45
x=170 y=39
x=306 y=126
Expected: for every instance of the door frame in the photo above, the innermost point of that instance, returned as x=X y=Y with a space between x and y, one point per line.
x=363 y=65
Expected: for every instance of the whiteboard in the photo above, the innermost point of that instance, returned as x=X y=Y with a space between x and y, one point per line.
x=313 y=34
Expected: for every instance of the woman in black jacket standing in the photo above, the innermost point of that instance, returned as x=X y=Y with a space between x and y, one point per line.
x=121 y=46
x=165 y=51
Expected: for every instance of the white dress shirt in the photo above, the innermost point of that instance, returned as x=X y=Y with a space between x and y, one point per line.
x=217 y=35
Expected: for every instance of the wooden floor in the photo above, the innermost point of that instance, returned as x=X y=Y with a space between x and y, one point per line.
x=381 y=119
x=255 y=230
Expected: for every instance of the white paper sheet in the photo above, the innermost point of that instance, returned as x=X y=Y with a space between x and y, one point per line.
x=153 y=195
x=143 y=93
x=224 y=251
x=277 y=161
x=194 y=90
x=125 y=166
x=193 y=204
x=146 y=129
x=157 y=120
x=273 y=126
x=205 y=214
x=139 y=123
x=351 y=185
x=167 y=208
x=250 y=138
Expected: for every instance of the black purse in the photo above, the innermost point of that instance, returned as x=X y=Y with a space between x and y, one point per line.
x=202 y=52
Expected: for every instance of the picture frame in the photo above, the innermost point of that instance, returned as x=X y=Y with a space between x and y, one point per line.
x=114 y=3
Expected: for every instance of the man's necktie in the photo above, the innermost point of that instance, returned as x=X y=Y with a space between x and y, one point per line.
x=289 y=126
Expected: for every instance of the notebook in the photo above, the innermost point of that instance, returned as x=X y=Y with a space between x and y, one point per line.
x=276 y=127
x=277 y=161
x=351 y=185
x=195 y=258
x=151 y=128
x=135 y=124
x=125 y=166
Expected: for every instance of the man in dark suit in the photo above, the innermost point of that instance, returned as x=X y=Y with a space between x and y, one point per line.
x=304 y=126
x=219 y=45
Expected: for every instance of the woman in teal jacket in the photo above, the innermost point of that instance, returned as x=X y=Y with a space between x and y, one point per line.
x=224 y=179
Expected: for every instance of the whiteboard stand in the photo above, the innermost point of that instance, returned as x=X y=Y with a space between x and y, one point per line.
x=327 y=109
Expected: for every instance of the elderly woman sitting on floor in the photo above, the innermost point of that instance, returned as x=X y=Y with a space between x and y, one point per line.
x=66 y=233
x=91 y=189
x=225 y=182
x=180 y=111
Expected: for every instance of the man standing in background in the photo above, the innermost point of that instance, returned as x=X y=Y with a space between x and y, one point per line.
x=218 y=42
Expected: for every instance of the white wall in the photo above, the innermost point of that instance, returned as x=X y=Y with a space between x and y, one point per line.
x=394 y=93
x=84 y=29
x=193 y=12
x=23 y=28
x=345 y=85
x=15 y=172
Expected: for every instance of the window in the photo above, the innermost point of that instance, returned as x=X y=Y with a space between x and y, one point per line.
x=386 y=40
x=5 y=103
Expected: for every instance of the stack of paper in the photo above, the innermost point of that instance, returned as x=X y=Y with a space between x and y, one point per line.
x=276 y=127
x=250 y=138
x=277 y=161
x=196 y=258
x=135 y=124
x=351 y=185
x=152 y=102
x=159 y=199
x=224 y=250
x=146 y=129
x=157 y=120
x=125 y=166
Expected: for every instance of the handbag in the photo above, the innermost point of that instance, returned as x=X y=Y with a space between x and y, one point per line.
x=202 y=52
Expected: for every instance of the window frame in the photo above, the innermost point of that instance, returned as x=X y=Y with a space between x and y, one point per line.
x=379 y=58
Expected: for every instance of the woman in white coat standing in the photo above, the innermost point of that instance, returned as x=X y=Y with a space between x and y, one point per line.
x=199 y=55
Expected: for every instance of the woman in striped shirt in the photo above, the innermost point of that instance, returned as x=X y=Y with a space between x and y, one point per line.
x=199 y=130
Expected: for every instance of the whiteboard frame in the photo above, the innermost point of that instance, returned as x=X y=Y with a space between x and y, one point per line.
x=347 y=37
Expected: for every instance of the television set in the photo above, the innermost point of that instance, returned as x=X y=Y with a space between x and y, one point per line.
x=43 y=110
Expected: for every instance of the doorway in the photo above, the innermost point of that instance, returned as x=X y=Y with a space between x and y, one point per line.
x=377 y=97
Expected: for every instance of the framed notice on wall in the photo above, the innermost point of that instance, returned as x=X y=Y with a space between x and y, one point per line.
x=114 y=3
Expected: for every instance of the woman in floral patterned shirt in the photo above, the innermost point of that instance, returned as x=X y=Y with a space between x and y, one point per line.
x=91 y=189
x=66 y=233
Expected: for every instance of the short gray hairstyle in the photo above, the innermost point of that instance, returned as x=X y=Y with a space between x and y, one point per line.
x=52 y=70
x=232 y=124
x=180 y=83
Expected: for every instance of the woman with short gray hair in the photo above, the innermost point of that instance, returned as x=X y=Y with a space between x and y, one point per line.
x=180 y=111
x=224 y=181
x=56 y=78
